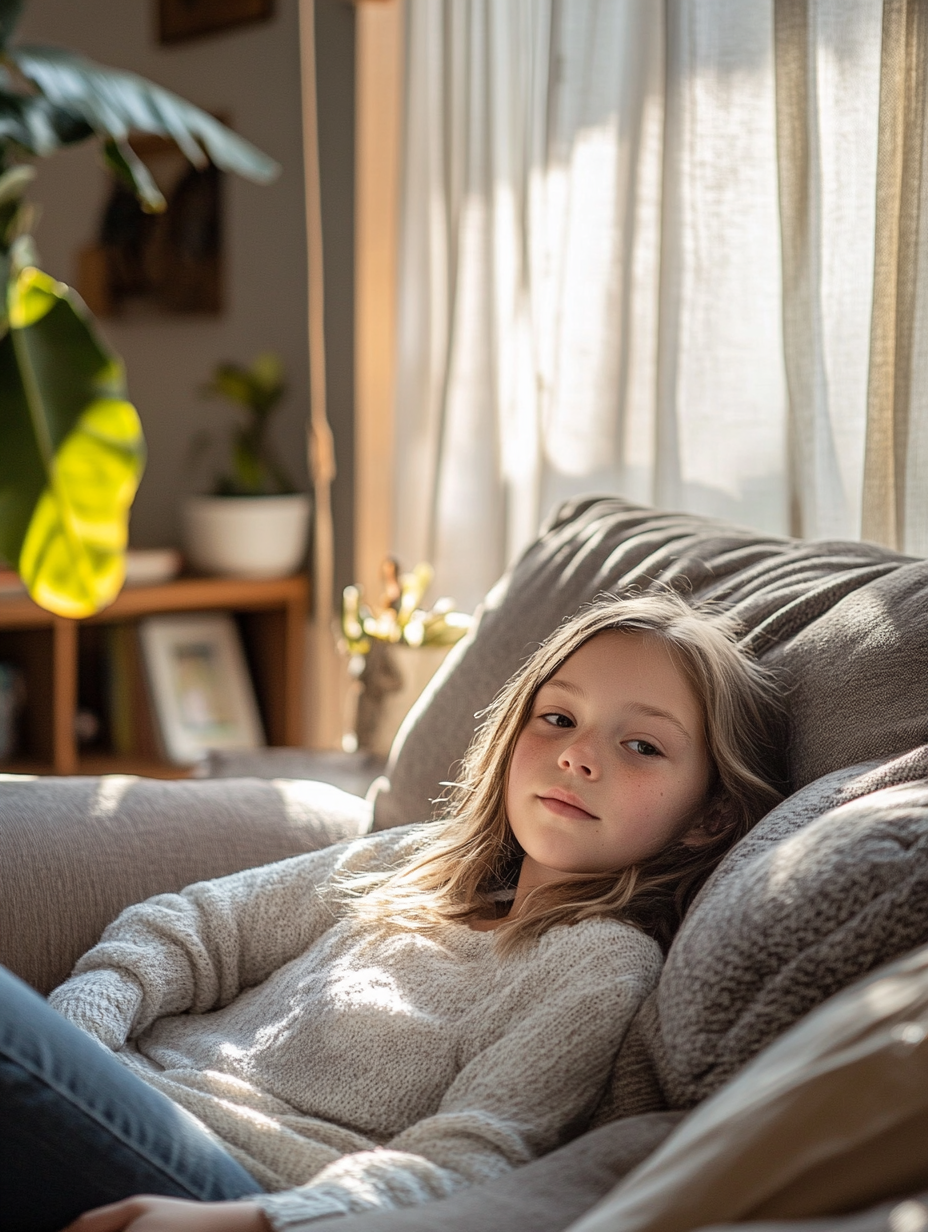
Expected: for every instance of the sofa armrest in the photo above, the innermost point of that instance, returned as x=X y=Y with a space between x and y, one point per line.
x=75 y=851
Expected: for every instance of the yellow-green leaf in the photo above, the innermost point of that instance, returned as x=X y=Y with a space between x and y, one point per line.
x=32 y=295
x=72 y=558
x=71 y=450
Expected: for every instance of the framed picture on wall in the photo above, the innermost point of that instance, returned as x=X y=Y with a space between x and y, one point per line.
x=200 y=687
x=184 y=19
x=143 y=265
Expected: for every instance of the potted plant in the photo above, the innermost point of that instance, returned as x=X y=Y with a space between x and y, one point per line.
x=395 y=648
x=71 y=447
x=255 y=523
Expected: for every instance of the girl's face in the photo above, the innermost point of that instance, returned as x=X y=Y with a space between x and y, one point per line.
x=612 y=764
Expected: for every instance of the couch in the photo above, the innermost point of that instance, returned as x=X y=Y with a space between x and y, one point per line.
x=778 y=1075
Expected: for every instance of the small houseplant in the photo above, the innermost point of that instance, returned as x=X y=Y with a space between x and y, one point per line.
x=395 y=648
x=254 y=524
x=71 y=447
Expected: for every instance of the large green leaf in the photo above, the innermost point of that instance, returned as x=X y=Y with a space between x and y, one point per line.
x=38 y=125
x=112 y=103
x=10 y=13
x=71 y=450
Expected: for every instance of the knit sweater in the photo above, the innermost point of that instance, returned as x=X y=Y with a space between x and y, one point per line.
x=349 y=1067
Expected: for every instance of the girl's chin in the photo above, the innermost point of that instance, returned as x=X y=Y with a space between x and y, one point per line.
x=560 y=865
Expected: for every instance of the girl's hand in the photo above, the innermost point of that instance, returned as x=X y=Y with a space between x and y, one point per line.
x=147 y=1214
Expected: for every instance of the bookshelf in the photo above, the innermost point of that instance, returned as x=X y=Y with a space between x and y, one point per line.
x=49 y=650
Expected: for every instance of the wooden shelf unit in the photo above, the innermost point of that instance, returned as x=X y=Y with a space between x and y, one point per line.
x=272 y=618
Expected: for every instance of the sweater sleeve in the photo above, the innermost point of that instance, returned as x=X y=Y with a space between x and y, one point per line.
x=527 y=1092
x=197 y=950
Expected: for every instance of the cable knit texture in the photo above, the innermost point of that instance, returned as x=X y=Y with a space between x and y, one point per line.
x=350 y=1068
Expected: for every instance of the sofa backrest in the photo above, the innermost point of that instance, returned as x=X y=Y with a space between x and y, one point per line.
x=847 y=622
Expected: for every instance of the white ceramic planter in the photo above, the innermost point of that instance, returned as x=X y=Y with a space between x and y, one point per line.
x=246 y=536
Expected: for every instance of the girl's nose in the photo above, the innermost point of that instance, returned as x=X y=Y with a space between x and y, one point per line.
x=581 y=758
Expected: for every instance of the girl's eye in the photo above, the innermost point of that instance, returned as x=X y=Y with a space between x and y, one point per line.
x=557 y=720
x=643 y=748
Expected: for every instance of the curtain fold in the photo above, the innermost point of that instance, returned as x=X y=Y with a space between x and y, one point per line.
x=800 y=226
x=827 y=57
x=721 y=392
x=897 y=357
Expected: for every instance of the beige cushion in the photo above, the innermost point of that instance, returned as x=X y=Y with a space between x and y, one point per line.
x=75 y=851
x=833 y=1117
x=849 y=621
x=907 y=1215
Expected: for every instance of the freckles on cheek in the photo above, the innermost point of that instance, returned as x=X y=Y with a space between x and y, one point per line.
x=517 y=775
x=652 y=811
x=524 y=761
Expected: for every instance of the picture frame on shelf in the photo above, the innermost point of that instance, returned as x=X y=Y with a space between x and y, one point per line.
x=201 y=690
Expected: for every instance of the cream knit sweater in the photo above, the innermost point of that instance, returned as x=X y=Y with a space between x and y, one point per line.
x=349 y=1068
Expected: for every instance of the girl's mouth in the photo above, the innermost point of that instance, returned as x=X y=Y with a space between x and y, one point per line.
x=564 y=804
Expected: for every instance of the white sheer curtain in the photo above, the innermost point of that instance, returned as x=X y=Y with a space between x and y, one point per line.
x=591 y=286
x=829 y=103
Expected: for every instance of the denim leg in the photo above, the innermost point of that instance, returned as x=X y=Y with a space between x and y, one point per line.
x=78 y=1130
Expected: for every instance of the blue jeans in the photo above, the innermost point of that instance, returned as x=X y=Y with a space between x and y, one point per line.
x=78 y=1130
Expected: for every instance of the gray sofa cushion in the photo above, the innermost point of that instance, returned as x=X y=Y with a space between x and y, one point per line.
x=75 y=851
x=859 y=673
x=849 y=621
x=828 y=886
x=544 y=1196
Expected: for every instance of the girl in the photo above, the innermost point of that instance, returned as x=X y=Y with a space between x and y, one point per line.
x=383 y=1022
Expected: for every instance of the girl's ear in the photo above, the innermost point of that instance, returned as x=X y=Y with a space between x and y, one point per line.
x=717 y=817
x=698 y=837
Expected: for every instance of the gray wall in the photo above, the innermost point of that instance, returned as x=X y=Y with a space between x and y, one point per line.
x=252 y=74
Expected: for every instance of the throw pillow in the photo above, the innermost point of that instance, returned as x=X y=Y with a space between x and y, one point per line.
x=828 y=886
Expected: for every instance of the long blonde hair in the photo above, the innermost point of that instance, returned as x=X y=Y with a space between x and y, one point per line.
x=470 y=854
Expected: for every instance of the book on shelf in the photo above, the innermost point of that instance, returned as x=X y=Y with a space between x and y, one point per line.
x=133 y=731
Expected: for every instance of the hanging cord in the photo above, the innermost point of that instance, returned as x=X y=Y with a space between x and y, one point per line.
x=324 y=674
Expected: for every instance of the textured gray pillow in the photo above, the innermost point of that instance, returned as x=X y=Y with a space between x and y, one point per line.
x=847 y=621
x=828 y=886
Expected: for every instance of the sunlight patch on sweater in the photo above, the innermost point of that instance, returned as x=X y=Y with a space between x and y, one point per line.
x=371 y=986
